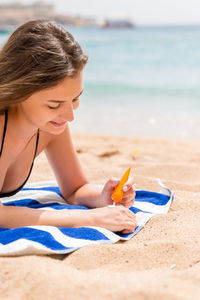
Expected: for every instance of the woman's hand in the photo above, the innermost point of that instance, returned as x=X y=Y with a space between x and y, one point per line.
x=128 y=195
x=116 y=218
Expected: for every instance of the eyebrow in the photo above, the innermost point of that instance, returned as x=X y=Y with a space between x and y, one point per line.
x=61 y=101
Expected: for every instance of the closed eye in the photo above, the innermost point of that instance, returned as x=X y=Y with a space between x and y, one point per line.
x=76 y=99
x=54 y=107
x=59 y=104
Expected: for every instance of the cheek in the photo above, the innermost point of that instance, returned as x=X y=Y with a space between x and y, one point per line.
x=36 y=112
x=39 y=116
x=45 y=116
x=29 y=111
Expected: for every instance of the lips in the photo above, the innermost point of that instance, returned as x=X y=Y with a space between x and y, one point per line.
x=58 y=124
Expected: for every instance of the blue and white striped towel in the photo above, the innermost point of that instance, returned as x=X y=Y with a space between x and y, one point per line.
x=58 y=240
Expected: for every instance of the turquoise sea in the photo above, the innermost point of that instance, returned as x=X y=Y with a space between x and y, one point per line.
x=140 y=82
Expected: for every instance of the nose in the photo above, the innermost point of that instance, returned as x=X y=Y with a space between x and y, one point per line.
x=67 y=113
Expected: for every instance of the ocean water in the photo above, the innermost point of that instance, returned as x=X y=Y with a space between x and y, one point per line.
x=140 y=82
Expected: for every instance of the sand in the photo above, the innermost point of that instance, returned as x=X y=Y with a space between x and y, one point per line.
x=161 y=262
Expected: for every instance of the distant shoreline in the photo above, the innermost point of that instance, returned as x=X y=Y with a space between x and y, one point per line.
x=16 y=13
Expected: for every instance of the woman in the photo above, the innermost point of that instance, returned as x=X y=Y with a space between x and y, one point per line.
x=41 y=69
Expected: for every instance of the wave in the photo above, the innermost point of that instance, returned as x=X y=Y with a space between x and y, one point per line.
x=109 y=88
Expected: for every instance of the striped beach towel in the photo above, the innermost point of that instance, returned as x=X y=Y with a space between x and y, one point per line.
x=57 y=240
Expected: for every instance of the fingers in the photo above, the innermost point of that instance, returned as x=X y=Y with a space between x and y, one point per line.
x=128 y=188
x=128 y=197
x=120 y=218
x=129 y=184
x=126 y=231
x=111 y=184
x=126 y=203
x=128 y=227
x=129 y=222
x=127 y=212
x=132 y=215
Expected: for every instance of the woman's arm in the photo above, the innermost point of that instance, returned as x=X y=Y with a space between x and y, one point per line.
x=65 y=164
x=73 y=184
x=12 y=217
x=88 y=195
x=115 y=219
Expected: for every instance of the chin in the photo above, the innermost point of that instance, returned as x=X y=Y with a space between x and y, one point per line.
x=53 y=130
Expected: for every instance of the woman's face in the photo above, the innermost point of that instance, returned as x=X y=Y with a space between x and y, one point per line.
x=52 y=108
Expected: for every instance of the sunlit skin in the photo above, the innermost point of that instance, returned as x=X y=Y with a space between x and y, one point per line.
x=51 y=110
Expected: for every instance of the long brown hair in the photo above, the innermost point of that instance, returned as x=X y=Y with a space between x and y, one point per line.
x=38 y=55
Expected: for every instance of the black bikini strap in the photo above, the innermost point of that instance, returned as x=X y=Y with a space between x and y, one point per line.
x=4 y=130
x=37 y=141
x=8 y=194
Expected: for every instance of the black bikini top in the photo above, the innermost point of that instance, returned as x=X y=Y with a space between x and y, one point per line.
x=36 y=146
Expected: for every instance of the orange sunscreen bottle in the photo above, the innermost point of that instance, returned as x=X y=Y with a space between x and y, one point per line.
x=118 y=192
